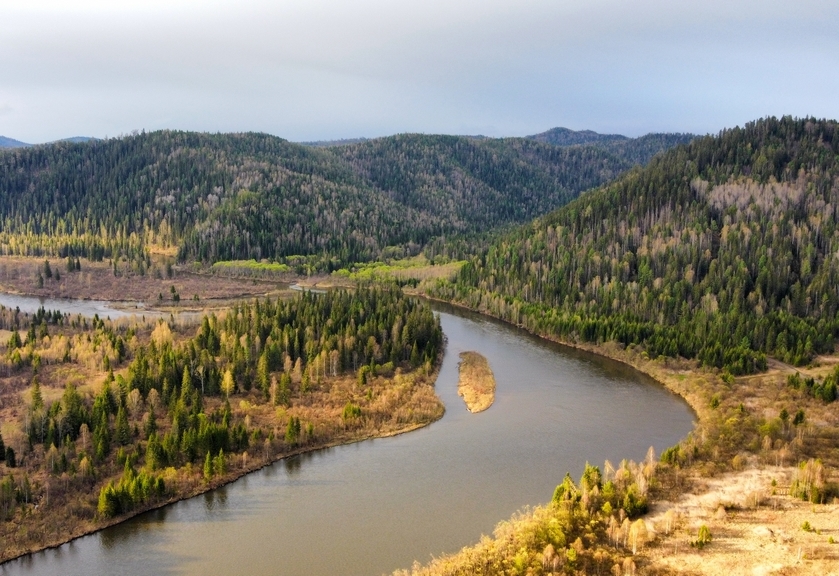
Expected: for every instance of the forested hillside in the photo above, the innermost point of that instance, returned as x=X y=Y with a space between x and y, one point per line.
x=724 y=250
x=242 y=196
x=632 y=150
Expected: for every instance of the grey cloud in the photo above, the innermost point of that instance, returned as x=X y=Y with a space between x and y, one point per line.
x=329 y=68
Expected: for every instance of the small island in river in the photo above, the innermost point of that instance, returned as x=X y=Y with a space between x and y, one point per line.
x=476 y=383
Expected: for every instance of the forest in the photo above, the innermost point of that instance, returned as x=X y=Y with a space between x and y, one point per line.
x=722 y=250
x=224 y=197
x=178 y=409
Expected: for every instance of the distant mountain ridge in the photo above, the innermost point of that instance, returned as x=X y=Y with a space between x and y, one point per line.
x=567 y=137
x=634 y=150
x=77 y=139
x=12 y=143
x=330 y=143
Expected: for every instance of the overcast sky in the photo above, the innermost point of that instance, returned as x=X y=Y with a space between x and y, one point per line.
x=326 y=69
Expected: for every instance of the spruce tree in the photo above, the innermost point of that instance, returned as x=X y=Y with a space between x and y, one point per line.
x=123 y=431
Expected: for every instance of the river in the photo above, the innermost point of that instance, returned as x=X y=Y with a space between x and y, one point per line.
x=376 y=506
x=90 y=308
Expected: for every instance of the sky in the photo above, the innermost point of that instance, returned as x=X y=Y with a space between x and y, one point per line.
x=331 y=69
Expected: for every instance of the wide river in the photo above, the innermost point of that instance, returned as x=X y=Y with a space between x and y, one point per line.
x=376 y=506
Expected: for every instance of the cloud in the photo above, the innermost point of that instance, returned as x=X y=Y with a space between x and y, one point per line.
x=331 y=68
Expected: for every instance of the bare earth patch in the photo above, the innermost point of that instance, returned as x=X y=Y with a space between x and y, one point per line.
x=476 y=383
x=756 y=528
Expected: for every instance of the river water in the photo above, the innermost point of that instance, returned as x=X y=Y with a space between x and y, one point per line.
x=91 y=308
x=31 y=304
x=376 y=506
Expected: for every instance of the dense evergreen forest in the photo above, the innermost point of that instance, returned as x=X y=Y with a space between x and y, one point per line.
x=724 y=250
x=252 y=196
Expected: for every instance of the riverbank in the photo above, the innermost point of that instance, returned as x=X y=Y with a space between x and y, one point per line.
x=419 y=399
x=68 y=534
x=735 y=473
x=104 y=421
x=476 y=382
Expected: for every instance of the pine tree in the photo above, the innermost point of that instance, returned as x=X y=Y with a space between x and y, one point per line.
x=208 y=467
x=262 y=374
x=151 y=423
x=123 y=431
x=37 y=397
x=220 y=464
x=186 y=386
x=292 y=432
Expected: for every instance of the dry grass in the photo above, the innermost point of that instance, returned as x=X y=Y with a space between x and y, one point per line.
x=755 y=530
x=476 y=383
x=96 y=281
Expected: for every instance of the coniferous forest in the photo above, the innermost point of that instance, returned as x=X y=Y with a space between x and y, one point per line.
x=723 y=250
x=219 y=197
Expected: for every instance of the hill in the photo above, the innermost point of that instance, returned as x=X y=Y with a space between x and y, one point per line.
x=12 y=143
x=241 y=196
x=633 y=150
x=724 y=250
x=77 y=139
x=567 y=137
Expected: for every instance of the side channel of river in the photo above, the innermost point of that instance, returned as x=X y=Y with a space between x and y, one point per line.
x=372 y=507
x=89 y=308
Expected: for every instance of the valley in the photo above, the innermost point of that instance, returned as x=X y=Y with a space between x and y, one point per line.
x=710 y=266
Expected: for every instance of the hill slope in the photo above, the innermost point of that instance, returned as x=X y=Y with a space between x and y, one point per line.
x=722 y=250
x=633 y=150
x=240 y=196
x=12 y=143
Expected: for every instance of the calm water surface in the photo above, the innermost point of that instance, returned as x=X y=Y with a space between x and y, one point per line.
x=376 y=506
x=31 y=304
x=90 y=308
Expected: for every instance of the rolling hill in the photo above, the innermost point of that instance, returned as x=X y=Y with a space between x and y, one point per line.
x=240 y=196
x=724 y=250
x=12 y=143
x=633 y=150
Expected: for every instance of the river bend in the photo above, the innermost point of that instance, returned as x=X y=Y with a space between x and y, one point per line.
x=376 y=506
